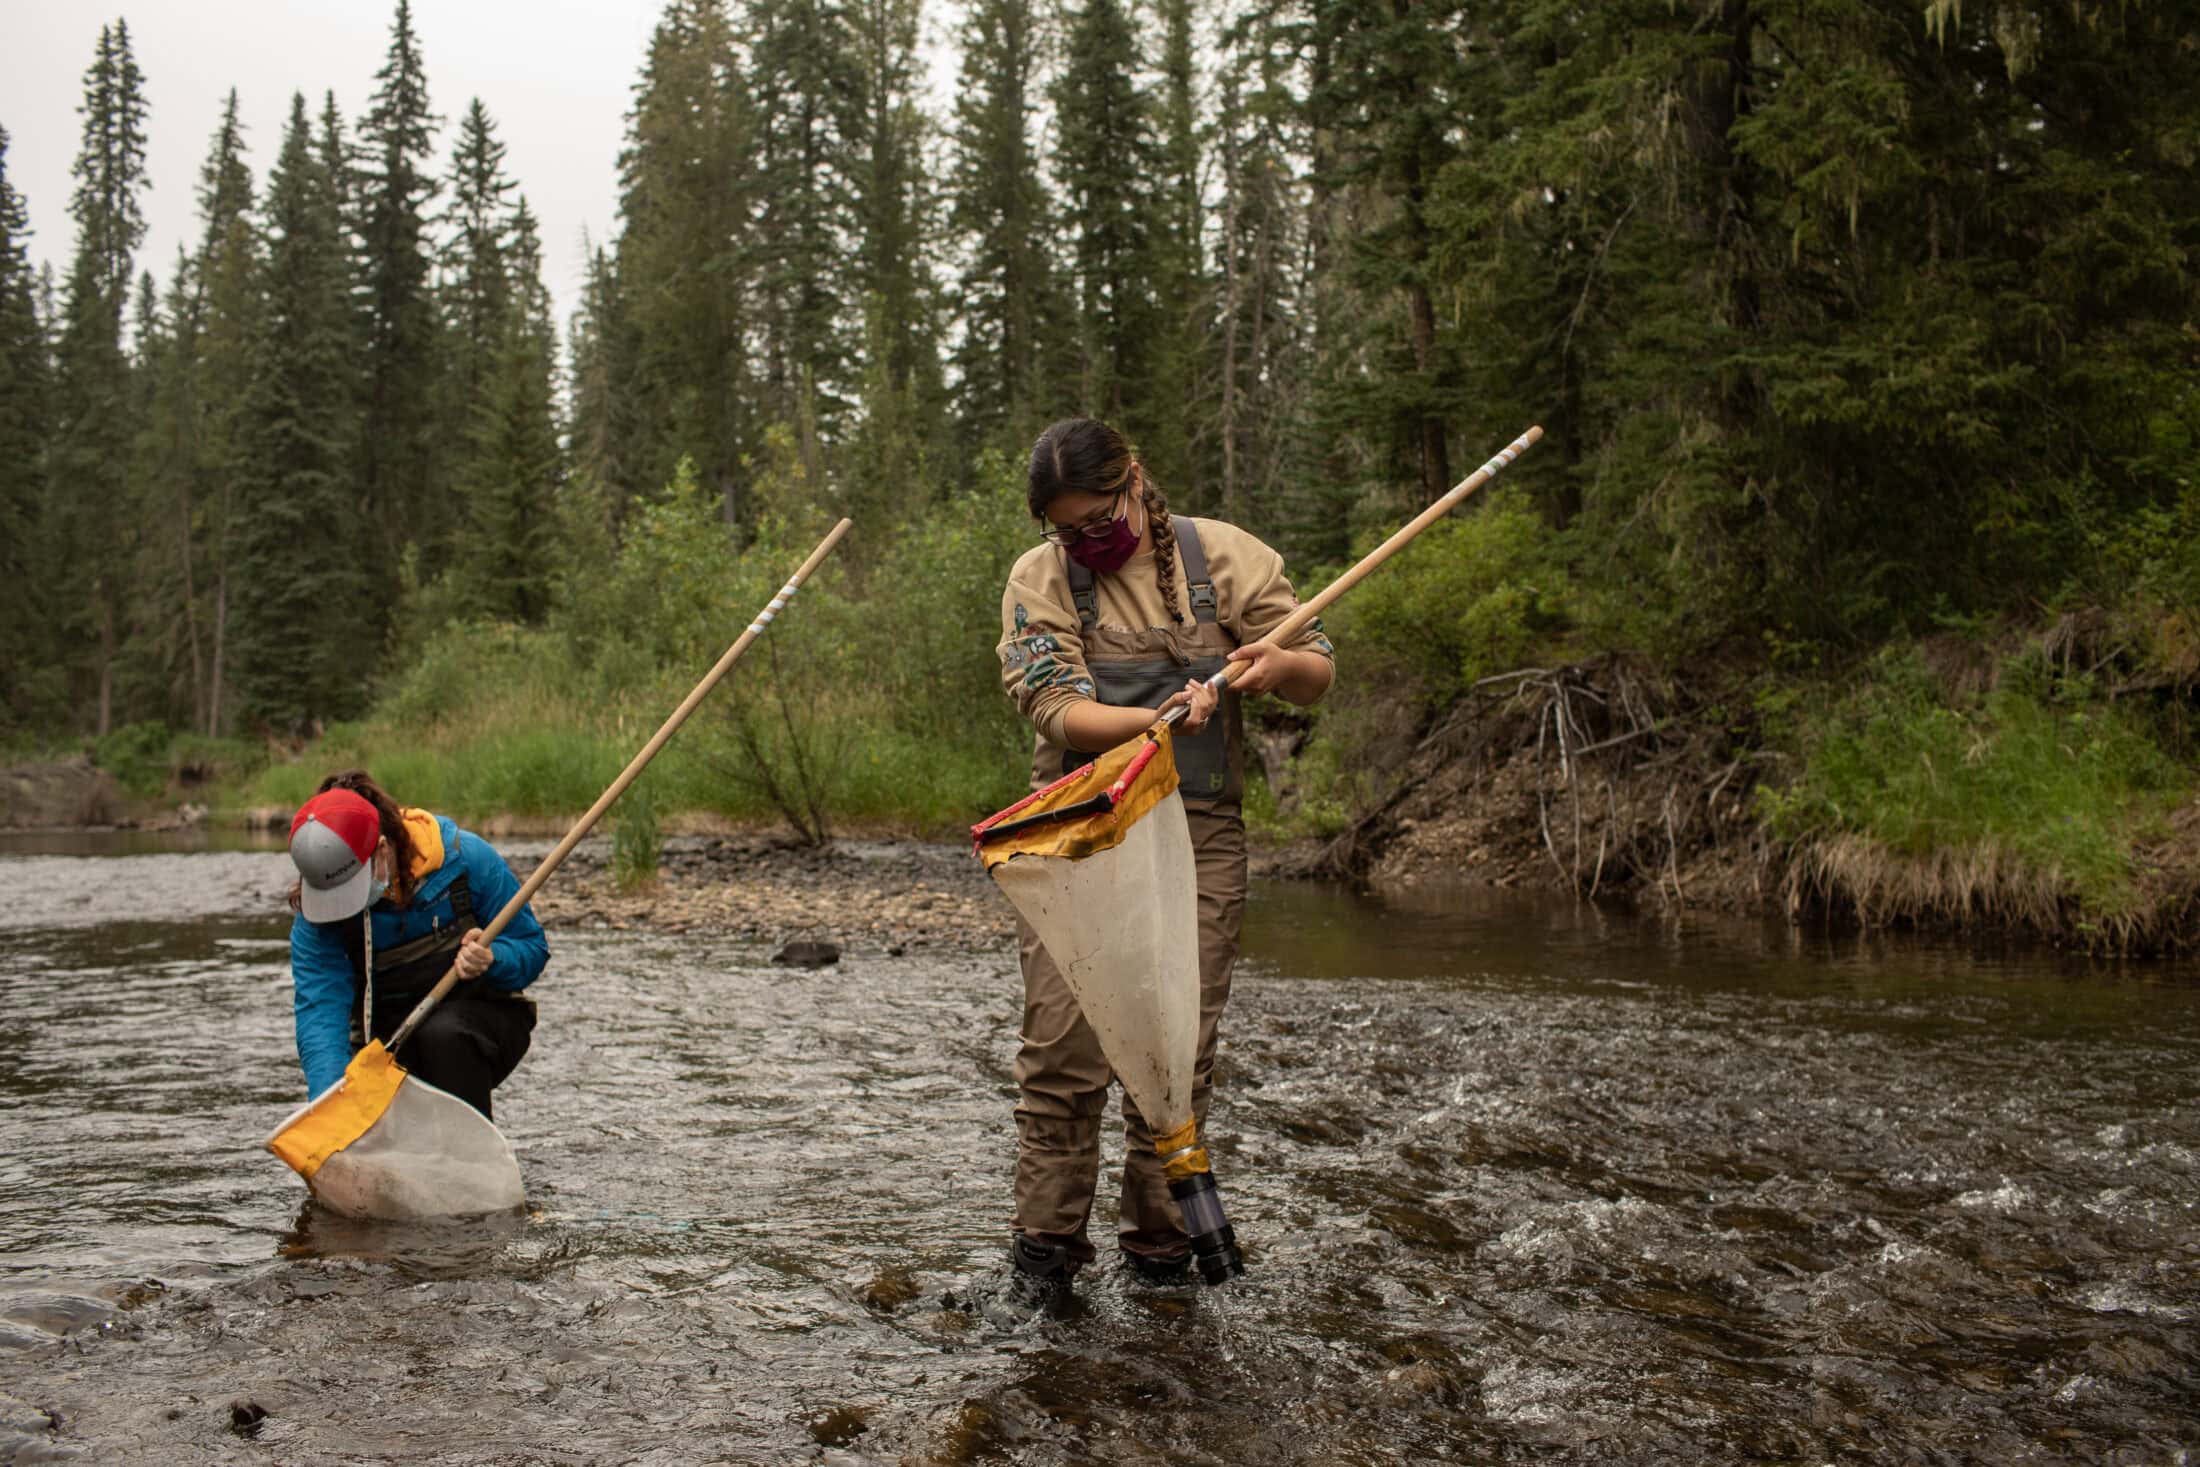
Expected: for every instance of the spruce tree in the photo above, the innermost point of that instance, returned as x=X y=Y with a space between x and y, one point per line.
x=902 y=396
x=166 y=624
x=805 y=81
x=689 y=303
x=1809 y=363
x=600 y=374
x=195 y=443
x=1000 y=219
x=1259 y=360
x=311 y=572
x=512 y=463
x=1394 y=90
x=1177 y=441
x=232 y=279
x=402 y=467
x=85 y=553
x=1107 y=163
x=474 y=259
x=340 y=166
x=23 y=410
x=499 y=357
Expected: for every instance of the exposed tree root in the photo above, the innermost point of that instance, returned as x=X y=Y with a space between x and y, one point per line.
x=1599 y=779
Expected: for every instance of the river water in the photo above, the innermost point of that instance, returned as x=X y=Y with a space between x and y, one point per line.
x=1517 y=1182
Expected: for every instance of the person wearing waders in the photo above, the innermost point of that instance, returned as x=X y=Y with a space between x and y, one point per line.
x=1122 y=613
x=388 y=900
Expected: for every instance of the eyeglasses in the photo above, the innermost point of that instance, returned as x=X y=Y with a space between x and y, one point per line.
x=1098 y=528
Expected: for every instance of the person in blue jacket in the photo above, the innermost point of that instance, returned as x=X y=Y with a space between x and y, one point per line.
x=388 y=900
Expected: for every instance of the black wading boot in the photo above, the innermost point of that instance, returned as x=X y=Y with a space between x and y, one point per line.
x=1037 y=1282
x=1152 y=1272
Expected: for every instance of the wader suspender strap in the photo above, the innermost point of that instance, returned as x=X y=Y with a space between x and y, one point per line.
x=1081 y=591
x=414 y=965
x=1193 y=561
x=366 y=1005
x=1190 y=558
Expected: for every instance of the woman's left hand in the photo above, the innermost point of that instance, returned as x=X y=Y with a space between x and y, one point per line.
x=1257 y=667
x=474 y=956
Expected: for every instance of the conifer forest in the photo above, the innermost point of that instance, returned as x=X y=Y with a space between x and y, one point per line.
x=1864 y=545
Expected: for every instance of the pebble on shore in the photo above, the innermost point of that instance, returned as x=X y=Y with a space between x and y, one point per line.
x=880 y=896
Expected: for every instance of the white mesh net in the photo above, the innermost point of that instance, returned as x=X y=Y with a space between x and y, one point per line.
x=1123 y=926
x=429 y=1154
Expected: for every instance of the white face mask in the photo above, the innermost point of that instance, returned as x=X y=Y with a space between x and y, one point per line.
x=376 y=886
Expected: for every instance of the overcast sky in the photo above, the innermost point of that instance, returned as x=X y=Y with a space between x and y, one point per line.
x=556 y=75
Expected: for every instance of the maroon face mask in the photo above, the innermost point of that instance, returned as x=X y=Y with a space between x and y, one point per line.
x=1109 y=552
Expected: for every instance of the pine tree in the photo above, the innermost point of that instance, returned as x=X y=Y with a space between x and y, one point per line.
x=474 y=260
x=1394 y=86
x=902 y=397
x=1260 y=365
x=688 y=304
x=1176 y=440
x=512 y=463
x=194 y=444
x=86 y=553
x=600 y=370
x=318 y=579
x=999 y=216
x=403 y=472
x=23 y=409
x=1107 y=161
x=805 y=82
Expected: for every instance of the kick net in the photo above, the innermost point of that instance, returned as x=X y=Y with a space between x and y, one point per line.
x=383 y=1144
x=1100 y=864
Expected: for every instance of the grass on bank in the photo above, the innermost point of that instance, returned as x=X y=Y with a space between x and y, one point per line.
x=2016 y=793
x=551 y=765
x=2029 y=802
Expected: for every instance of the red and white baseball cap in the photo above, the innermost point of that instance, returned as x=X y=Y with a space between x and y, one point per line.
x=332 y=840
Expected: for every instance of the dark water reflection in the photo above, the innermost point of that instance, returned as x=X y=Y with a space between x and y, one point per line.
x=1517 y=1183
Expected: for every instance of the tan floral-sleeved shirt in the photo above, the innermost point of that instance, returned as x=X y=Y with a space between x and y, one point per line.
x=1042 y=646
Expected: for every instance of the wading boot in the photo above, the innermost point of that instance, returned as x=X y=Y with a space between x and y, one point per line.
x=1154 y=1271
x=1037 y=1282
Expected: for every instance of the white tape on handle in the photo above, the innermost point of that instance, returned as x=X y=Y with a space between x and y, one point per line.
x=778 y=603
x=1505 y=456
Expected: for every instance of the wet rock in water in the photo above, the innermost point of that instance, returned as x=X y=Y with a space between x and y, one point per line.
x=1418 y=1350
x=136 y=1295
x=57 y=1314
x=947 y=1320
x=20 y=1418
x=976 y=1432
x=1407 y=1384
x=840 y=1426
x=807 y=955
x=245 y=1417
x=889 y=1291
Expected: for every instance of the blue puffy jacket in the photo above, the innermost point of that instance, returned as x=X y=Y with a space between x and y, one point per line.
x=325 y=991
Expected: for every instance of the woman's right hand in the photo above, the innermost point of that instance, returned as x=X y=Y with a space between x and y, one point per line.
x=1198 y=701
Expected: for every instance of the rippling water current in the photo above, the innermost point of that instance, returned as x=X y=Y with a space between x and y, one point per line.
x=1516 y=1182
